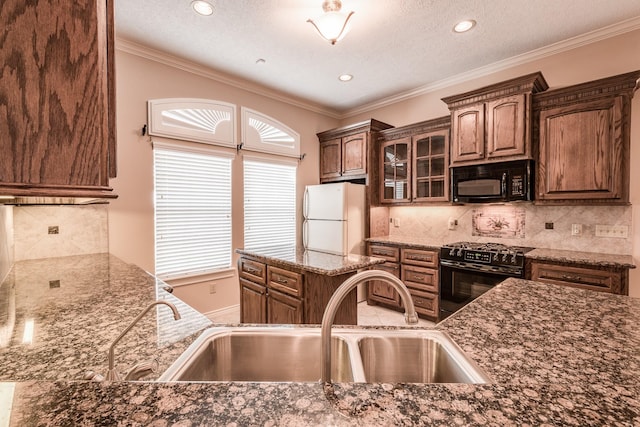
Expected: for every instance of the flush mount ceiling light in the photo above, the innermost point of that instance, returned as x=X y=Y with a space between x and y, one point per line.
x=202 y=7
x=333 y=24
x=345 y=77
x=464 y=26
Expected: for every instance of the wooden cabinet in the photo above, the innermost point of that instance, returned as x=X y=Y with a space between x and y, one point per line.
x=604 y=279
x=493 y=123
x=583 y=139
x=379 y=291
x=419 y=271
x=280 y=295
x=414 y=162
x=57 y=100
x=345 y=152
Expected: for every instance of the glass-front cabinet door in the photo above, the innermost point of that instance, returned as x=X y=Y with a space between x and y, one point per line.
x=430 y=161
x=396 y=169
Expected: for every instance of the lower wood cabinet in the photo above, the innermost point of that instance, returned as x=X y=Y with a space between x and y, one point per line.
x=281 y=295
x=597 y=278
x=418 y=270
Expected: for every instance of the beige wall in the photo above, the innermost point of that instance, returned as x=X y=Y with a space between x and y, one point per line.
x=131 y=227
x=606 y=58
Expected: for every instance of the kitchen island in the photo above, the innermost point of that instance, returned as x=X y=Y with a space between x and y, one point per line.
x=556 y=356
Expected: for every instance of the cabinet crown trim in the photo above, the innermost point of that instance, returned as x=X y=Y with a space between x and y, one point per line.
x=364 y=126
x=415 y=128
x=530 y=83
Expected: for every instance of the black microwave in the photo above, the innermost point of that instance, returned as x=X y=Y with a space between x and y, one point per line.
x=493 y=182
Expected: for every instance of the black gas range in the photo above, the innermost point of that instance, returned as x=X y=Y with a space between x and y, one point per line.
x=469 y=269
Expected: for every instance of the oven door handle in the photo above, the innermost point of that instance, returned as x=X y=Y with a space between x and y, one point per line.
x=469 y=266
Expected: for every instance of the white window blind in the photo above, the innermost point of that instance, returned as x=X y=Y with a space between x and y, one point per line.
x=269 y=203
x=192 y=210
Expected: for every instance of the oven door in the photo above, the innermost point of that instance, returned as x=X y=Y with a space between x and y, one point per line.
x=461 y=283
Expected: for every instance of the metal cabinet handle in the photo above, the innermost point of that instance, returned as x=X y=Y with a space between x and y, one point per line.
x=571 y=278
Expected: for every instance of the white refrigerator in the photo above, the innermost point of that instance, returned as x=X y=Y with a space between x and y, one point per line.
x=334 y=218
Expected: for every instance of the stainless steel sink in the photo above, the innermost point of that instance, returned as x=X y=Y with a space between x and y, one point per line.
x=258 y=354
x=292 y=354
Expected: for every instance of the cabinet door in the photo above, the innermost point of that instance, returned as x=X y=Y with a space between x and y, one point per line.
x=380 y=291
x=283 y=309
x=396 y=170
x=430 y=166
x=330 y=159
x=506 y=130
x=467 y=134
x=253 y=302
x=581 y=152
x=56 y=97
x=354 y=154
x=426 y=303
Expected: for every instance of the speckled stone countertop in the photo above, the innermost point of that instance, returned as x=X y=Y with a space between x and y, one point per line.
x=556 y=355
x=588 y=258
x=77 y=306
x=313 y=261
x=410 y=242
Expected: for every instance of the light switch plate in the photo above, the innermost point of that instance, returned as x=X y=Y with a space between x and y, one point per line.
x=615 y=231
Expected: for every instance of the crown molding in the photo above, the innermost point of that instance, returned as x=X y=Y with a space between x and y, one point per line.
x=152 y=54
x=537 y=54
x=159 y=56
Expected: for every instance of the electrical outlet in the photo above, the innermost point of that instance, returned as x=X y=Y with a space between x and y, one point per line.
x=548 y=226
x=396 y=222
x=615 y=231
x=53 y=229
x=576 y=229
x=212 y=288
x=451 y=224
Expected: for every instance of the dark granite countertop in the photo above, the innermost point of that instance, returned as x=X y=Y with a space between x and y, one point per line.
x=556 y=355
x=77 y=306
x=312 y=261
x=588 y=258
x=409 y=242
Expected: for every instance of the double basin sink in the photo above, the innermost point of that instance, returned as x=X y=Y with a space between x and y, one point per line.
x=292 y=354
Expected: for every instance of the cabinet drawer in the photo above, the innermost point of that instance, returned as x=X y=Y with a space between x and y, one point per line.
x=390 y=253
x=420 y=257
x=252 y=270
x=425 y=303
x=285 y=281
x=425 y=279
x=579 y=277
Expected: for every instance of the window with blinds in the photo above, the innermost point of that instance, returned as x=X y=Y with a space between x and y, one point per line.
x=192 y=210
x=269 y=203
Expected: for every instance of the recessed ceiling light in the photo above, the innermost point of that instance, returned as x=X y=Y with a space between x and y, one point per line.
x=345 y=77
x=463 y=26
x=202 y=7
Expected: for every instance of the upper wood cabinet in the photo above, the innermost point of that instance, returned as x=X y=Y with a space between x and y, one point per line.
x=57 y=100
x=583 y=138
x=494 y=122
x=345 y=152
x=414 y=162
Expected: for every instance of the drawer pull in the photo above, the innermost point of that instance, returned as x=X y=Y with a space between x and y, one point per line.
x=379 y=252
x=420 y=278
x=282 y=281
x=417 y=258
x=251 y=270
x=571 y=278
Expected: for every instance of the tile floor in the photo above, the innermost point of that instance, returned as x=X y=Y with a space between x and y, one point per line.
x=367 y=315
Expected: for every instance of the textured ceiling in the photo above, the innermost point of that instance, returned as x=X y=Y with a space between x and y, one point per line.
x=394 y=46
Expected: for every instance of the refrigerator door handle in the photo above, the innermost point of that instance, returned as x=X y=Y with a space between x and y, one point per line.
x=305 y=204
x=305 y=233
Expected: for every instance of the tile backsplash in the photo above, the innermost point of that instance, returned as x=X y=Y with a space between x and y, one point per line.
x=6 y=240
x=432 y=222
x=45 y=231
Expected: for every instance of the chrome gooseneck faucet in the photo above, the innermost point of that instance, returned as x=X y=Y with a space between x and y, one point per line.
x=343 y=290
x=112 y=374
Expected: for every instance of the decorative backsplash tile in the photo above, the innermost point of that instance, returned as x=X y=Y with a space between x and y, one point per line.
x=45 y=231
x=504 y=222
x=431 y=222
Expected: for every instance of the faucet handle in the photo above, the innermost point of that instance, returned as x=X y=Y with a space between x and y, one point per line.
x=142 y=370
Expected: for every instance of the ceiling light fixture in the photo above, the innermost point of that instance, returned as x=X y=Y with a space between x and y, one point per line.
x=333 y=24
x=202 y=7
x=464 y=26
x=345 y=77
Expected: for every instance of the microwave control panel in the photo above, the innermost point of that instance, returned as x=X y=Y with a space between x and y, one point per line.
x=517 y=185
